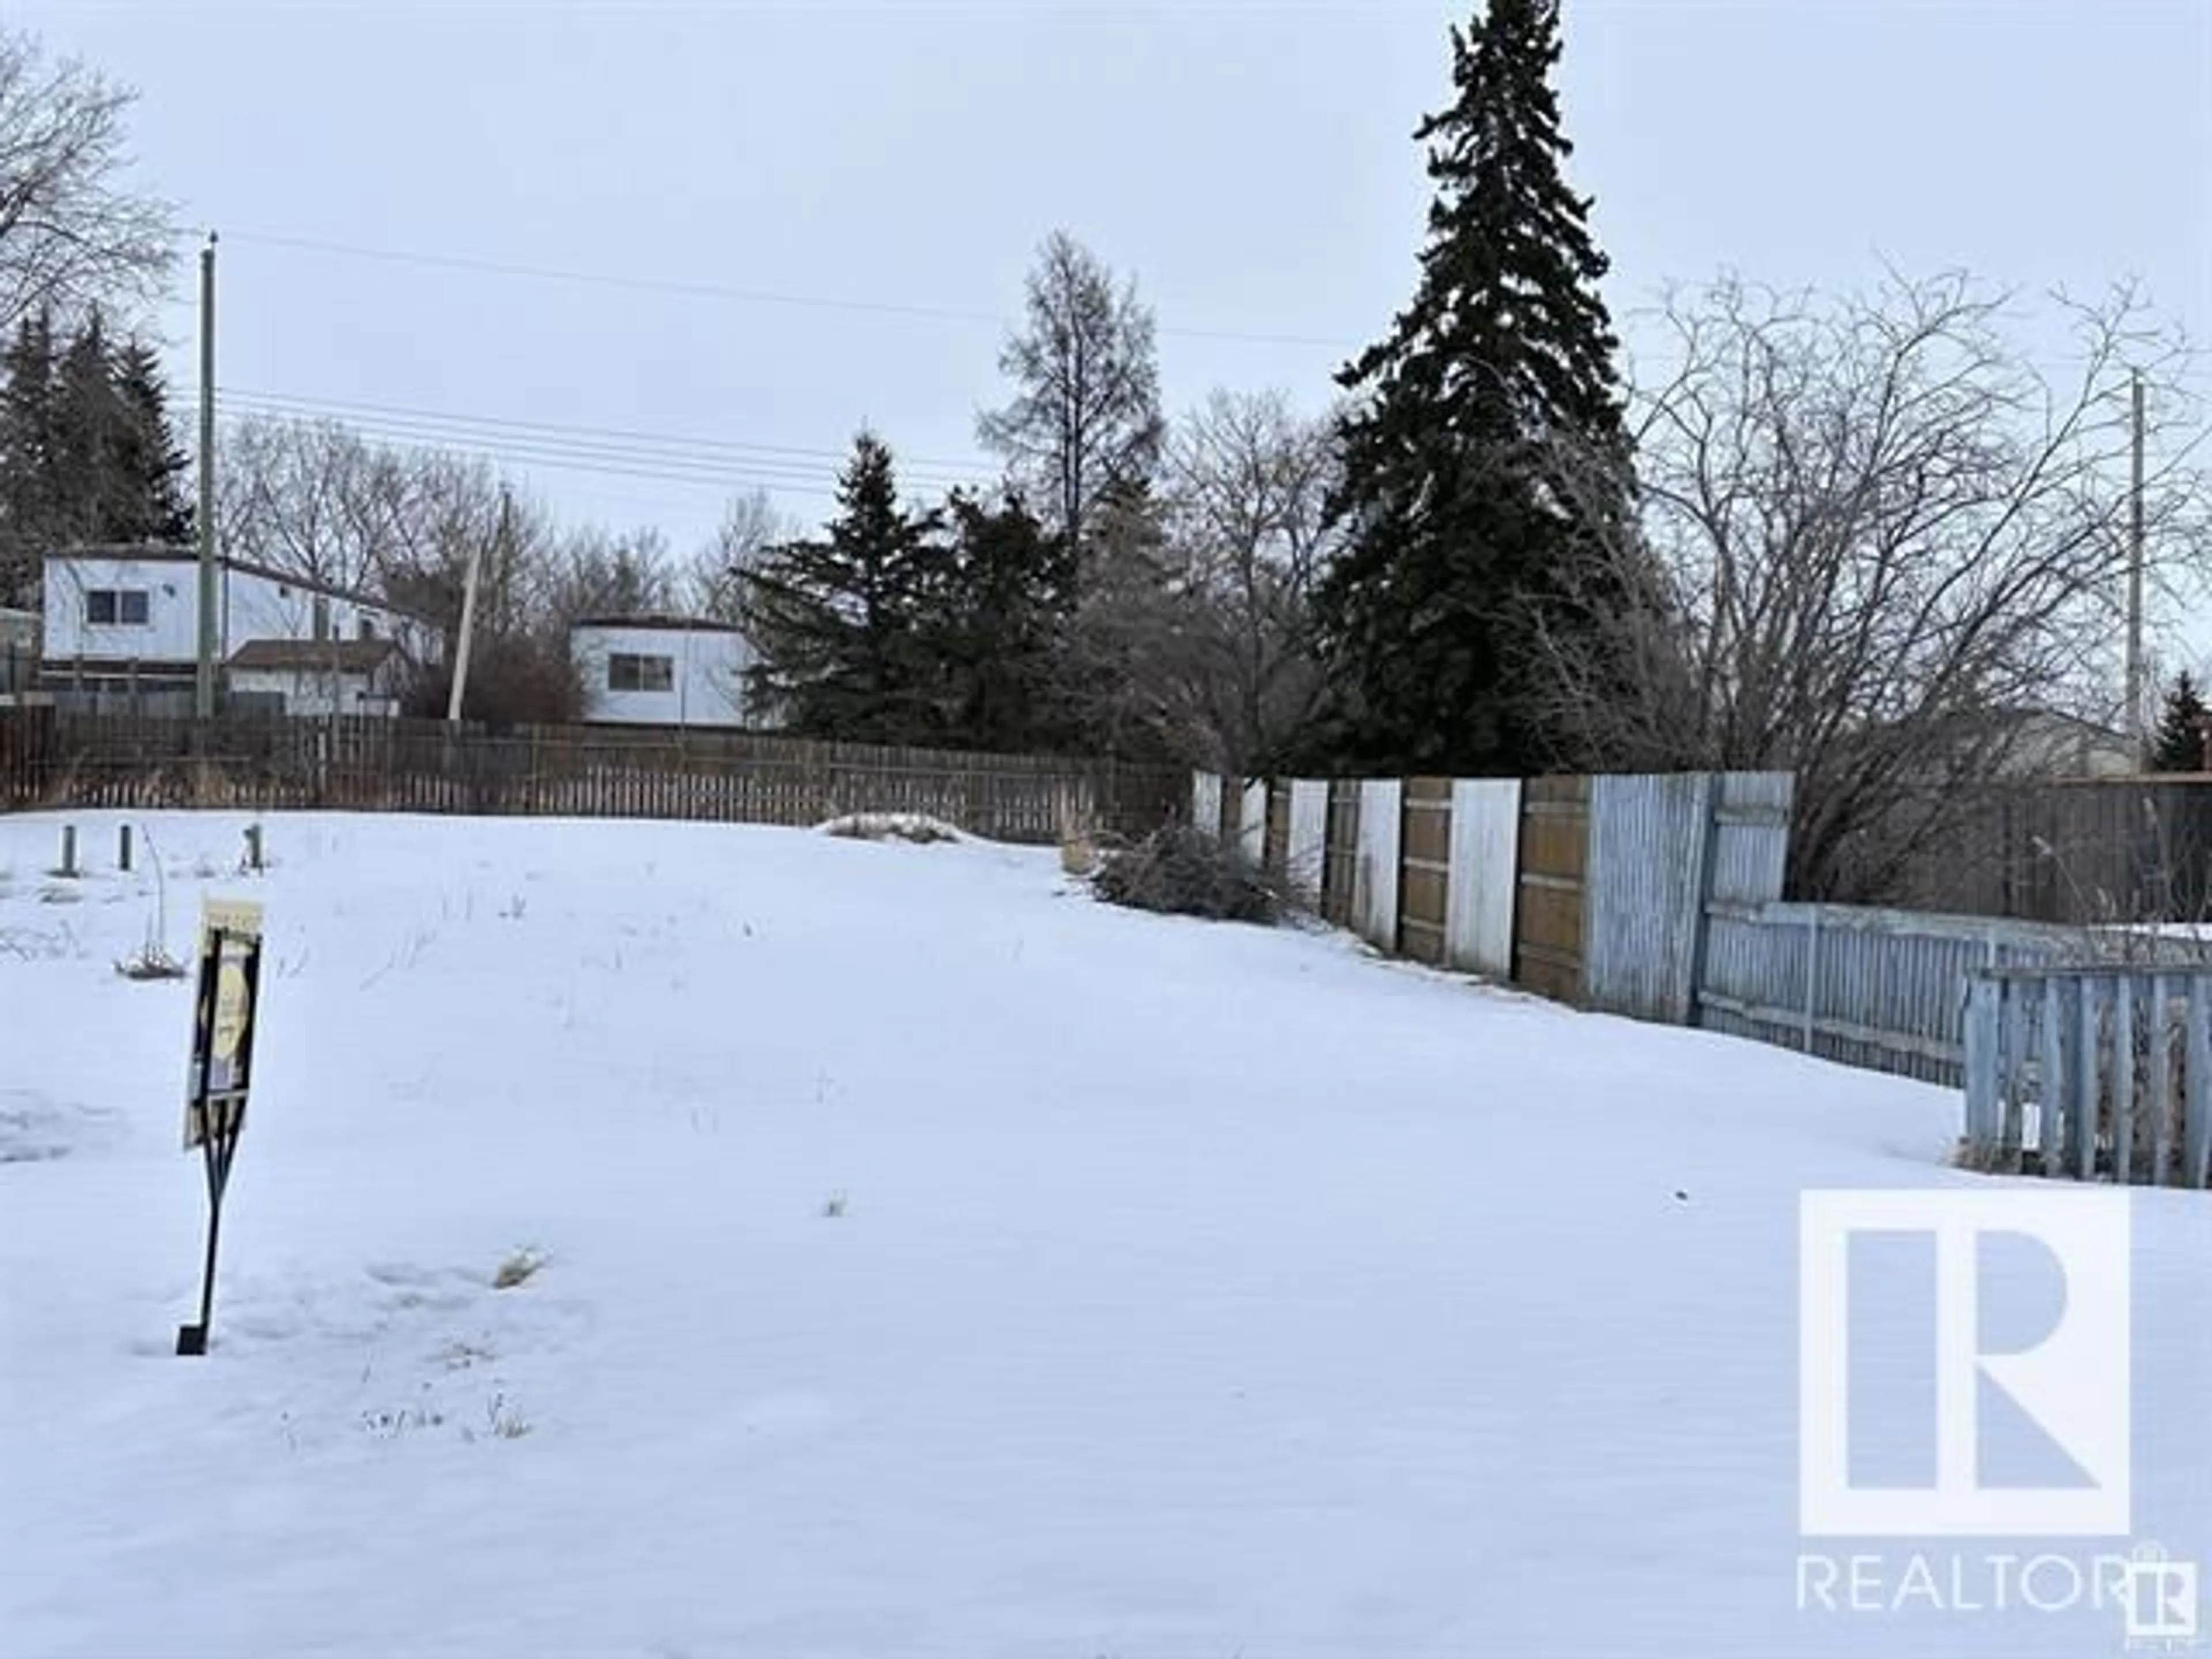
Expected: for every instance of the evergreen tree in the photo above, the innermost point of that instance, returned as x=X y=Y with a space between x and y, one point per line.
x=2182 y=718
x=1458 y=532
x=86 y=426
x=994 y=608
x=28 y=496
x=839 y=623
x=151 y=466
x=86 y=451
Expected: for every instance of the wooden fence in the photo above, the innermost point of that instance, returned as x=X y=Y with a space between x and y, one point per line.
x=1656 y=898
x=2075 y=851
x=366 y=764
x=2091 y=1072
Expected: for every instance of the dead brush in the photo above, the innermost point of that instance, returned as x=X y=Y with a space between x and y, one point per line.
x=1178 y=870
x=1079 y=841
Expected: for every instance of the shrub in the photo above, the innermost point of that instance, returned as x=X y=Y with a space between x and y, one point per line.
x=1179 y=872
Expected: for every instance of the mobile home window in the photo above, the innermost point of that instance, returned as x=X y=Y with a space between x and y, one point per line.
x=630 y=672
x=116 y=607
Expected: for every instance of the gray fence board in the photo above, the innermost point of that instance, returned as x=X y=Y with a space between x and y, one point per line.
x=2069 y=1071
x=1643 y=893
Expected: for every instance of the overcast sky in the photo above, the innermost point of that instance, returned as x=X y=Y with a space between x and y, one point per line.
x=1251 y=164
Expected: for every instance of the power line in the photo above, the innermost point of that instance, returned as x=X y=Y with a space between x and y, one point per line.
x=711 y=290
x=339 y=408
x=790 y=478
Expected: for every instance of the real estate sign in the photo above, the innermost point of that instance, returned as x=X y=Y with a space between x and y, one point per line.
x=223 y=1021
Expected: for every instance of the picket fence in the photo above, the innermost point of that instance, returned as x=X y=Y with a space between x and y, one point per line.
x=2100 y=1070
x=51 y=757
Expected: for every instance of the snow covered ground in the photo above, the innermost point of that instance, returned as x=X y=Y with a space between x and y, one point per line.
x=933 y=1262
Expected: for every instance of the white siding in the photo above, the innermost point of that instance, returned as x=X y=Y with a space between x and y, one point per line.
x=1309 y=835
x=706 y=687
x=169 y=634
x=1381 y=809
x=1486 y=850
x=252 y=606
x=314 y=691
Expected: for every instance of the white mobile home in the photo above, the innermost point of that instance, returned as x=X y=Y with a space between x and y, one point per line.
x=129 y=616
x=661 y=670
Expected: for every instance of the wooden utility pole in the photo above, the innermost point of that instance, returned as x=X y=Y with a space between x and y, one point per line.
x=2135 y=675
x=203 y=683
x=469 y=610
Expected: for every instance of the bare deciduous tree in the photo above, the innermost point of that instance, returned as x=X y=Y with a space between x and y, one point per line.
x=1204 y=638
x=711 y=583
x=597 y=572
x=1874 y=545
x=73 y=233
x=317 y=501
x=1085 y=419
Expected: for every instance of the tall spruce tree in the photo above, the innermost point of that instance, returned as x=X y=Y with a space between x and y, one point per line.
x=87 y=454
x=29 y=500
x=995 y=624
x=1457 y=534
x=151 y=504
x=838 y=623
x=2182 y=719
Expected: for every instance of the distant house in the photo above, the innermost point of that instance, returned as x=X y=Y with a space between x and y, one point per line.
x=661 y=670
x=121 y=618
x=320 y=677
x=2045 y=743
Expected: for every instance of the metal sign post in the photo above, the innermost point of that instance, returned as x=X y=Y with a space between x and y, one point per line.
x=223 y=1012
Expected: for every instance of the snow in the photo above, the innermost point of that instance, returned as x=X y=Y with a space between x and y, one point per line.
x=927 y=1260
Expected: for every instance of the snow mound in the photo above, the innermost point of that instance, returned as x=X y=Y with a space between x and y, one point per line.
x=918 y=827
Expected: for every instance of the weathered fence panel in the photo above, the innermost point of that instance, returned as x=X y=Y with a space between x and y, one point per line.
x=1252 y=823
x=1341 y=889
x=1886 y=990
x=1306 y=853
x=1278 y=859
x=1485 y=833
x=1205 y=800
x=26 y=747
x=1644 y=894
x=1376 y=900
x=1547 y=912
x=2078 y=850
x=1425 y=868
x=2092 y=1070
x=372 y=764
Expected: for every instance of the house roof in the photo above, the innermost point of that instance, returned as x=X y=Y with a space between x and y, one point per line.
x=651 y=623
x=321 y=656
x=163 y=553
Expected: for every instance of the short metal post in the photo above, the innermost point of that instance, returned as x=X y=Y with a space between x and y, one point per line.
x=122 y=848
x=69 y=850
